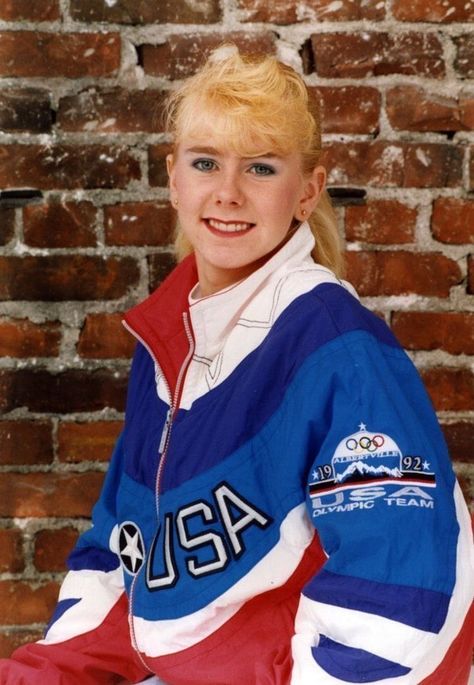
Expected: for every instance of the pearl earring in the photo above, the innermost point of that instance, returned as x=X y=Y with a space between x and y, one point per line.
x=303 y=212
x=175 y=202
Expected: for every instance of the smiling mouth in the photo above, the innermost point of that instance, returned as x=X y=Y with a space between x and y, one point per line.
x=229 y=227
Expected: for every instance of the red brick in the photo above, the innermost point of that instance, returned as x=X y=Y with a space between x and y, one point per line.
x=449 y=331
x=452 y=220
x=394 y=164
x=68 y=224
x=24 y=110
x=67 y=166
x=411 y=108
x=52 y=547
x=23 y=604
x=157 y=173
x=39 y=10
x=11 y=640
x=69 y=391
x=182 y=55
x=146 y=12
x=66 y=277
x=26 y=442
x=109 y=110
x=159 y=266
x=289 y=12
x=381 y=221
x=402 y=273
x=355 y=55
x=92 y=441
x=7 y=224
x=11 y=551
x=460 y=438
x=464 y=60
x=23 y=338
x=350 y=109
x=49 y=494
x=450 y=389
x=433 y=10
x=139 y=223
x=103 y=337
x=67 y=55
x=470 y=275
x=466 y=111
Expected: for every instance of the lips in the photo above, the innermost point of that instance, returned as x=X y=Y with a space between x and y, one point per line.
x=233 y=227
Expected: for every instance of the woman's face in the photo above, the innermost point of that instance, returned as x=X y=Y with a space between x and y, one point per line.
x=236 y=211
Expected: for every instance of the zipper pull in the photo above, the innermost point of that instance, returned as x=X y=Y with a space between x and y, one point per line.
x=166 y=430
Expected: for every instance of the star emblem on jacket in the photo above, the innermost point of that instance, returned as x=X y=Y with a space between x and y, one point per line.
x=131 y=547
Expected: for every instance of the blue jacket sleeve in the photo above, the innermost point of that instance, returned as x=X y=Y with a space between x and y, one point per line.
x=391 y=600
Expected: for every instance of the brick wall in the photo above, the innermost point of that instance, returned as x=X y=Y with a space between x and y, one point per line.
x=81 y=86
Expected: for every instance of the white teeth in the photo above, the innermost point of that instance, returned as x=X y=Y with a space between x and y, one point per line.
x=229 y=228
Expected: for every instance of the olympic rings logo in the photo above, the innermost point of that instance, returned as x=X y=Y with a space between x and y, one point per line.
x=365 y=443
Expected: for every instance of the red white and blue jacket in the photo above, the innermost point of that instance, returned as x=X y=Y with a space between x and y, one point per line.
x=280 y=507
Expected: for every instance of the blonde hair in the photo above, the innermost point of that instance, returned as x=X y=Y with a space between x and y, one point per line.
x=260 y=105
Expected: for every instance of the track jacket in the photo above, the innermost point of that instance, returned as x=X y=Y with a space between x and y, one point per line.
x=280 y=507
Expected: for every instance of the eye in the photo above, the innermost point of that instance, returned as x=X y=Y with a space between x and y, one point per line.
x=204 y=164
x=262 y=170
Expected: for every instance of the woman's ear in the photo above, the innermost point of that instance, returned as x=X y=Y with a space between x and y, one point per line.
x=314 y=184
x=171 y=177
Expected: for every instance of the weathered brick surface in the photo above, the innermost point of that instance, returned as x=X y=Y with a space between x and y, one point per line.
x=451 y=389
x=349 y=109
x=66 y=166
x=22 y=338
x=104 y=337
x=401 y=273
x=413 y=109
x=22 y=603
x=26 y=442
x=289 y=12
x=67 y=224
x=92 y=441
x=358 y=55
x=40 y=10
x=7 y=224
x=48 y=494
x=25 y=110
x=52 y=548
x=112 y=109
x=450 y=331
x=435 y=10
x=71 y=55
x=159 y=266
x=381 y=221
x=60 y=278
x=390 y=164
x=11 y=551
x=145 y=12
x=464 y=60
x=82 y=84
x=459 y=437
x=182 y=55
x=139 y=223
x=452 y=220
x=69 y=391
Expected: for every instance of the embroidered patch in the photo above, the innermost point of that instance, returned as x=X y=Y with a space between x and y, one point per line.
x=366 y=466
x=131 y=547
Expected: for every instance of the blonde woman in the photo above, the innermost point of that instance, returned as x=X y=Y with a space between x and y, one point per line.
x=280 y=507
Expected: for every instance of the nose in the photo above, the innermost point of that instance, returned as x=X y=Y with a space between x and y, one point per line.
x=228 y=191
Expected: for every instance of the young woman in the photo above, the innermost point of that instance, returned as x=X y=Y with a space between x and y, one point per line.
x=280 y=507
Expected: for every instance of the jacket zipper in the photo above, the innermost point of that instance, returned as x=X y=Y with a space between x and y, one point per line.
x=163 y=446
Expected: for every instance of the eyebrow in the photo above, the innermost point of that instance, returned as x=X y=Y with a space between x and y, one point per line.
x=205 y=150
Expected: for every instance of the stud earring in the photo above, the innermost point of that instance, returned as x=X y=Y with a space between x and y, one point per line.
x=303 y=212
x=175 y=202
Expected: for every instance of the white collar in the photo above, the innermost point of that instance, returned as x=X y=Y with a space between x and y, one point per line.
x=214 y=316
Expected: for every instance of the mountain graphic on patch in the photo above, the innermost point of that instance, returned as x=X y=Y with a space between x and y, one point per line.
x=366 y=456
